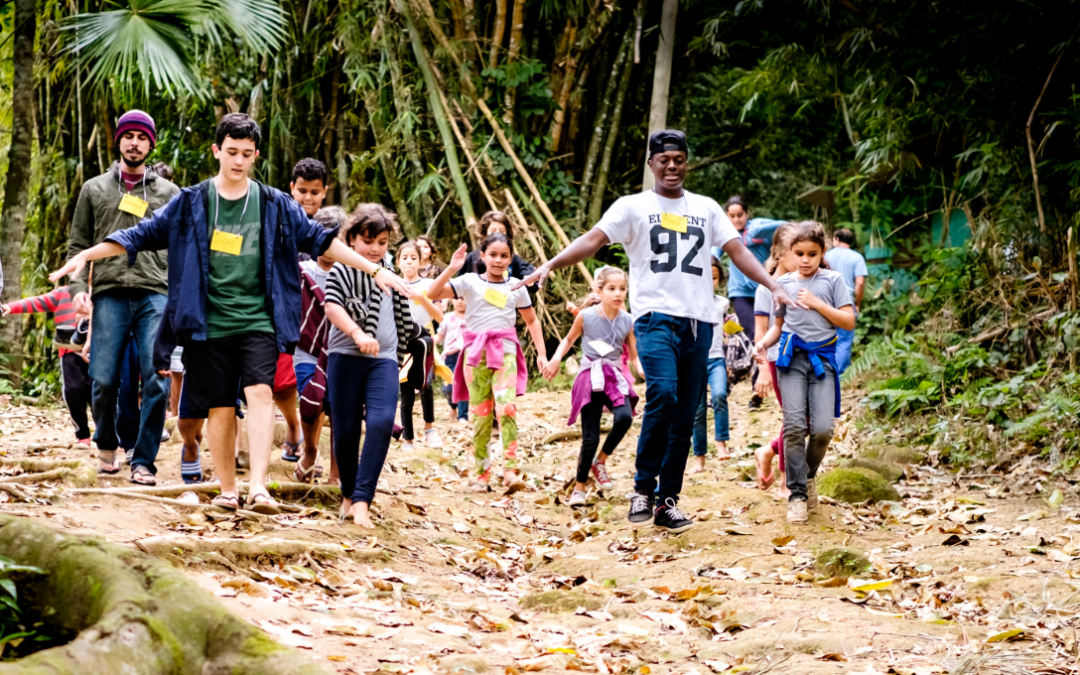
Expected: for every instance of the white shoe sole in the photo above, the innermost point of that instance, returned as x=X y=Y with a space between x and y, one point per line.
x=674 y=530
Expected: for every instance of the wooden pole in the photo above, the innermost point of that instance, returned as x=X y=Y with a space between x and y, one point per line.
x=662 y=76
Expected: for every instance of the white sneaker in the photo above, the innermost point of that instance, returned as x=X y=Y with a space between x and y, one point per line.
x=811 y=494
x=577 y=499
x=431 y=438
x=407 y=446
x=796 y=511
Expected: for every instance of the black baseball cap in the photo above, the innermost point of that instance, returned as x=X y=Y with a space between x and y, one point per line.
x=667 y=141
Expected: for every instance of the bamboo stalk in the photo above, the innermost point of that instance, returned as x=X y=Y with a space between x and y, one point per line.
x=508 y=148
x=597 y=140
x=468 y=154
x=497 y=32
x=440 y=114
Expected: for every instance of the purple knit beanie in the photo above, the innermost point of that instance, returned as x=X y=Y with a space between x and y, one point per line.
x=136 y=120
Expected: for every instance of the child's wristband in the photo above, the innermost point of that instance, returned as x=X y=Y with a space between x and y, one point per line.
x=378 y=268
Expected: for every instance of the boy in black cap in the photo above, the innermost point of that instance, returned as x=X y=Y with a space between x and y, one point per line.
x=667 y=233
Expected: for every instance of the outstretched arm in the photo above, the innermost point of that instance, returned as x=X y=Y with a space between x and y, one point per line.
x=533 y=324
x=552 y=368
x=580 y=249
x=386 y=280
x=105 y=249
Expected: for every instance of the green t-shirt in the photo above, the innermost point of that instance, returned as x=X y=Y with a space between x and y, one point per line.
x=236 y=295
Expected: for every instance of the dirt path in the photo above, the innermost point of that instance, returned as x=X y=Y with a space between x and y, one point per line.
x=457 y=582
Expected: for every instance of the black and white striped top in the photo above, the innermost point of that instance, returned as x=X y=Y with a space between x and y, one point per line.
x=361 y=297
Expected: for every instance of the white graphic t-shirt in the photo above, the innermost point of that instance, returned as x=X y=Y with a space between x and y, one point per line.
x=668 y=242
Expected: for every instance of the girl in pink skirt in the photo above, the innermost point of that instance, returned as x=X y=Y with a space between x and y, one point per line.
x=604 y=380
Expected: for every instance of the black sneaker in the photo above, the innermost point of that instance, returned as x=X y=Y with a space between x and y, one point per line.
x=641 y=508
x=671 y=518
x=755 y=402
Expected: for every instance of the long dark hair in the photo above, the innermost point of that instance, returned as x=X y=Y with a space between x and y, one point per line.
x=809 y=231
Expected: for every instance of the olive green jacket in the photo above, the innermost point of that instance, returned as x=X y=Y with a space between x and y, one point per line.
x=98 y=214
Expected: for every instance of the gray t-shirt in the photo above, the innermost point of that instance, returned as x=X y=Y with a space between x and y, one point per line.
x=482 y=303
x=809 y=324
x=764 y=306
x=598 y=329
x=385 y=333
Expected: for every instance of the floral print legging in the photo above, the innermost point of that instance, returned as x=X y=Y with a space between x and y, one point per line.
x=493 y=392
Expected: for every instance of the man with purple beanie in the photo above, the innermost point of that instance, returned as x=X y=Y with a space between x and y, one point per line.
x=127 y=301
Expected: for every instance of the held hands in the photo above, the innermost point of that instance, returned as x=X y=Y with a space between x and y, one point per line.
x=781 y=297
x=759 y=353
x=551 y=369
x=5 y=310
x=538 y=277
x=365 y=343
x=457 y=261
x=388 y=281
x=809 y=299
x=71 y=268
x=81 y=304
x=542 y=365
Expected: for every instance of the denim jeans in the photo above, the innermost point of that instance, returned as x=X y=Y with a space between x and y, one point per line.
x=462 y=407
x=127 y=399
x=674 y=352
x=845 y=340
x=717 y=371
x=361 y=390
x=809 y=409
x=118 y=315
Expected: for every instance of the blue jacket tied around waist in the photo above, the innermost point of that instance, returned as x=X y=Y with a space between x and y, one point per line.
x=181 y=226
x=816 y=351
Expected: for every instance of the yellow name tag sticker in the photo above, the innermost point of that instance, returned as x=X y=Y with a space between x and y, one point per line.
x=226 y=242
x=133 y=205
x=730 y=327
x=495 y=298
x=602 y=348
x=670 y=221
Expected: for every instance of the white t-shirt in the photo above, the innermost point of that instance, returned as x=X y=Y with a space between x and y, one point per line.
x=718 y=350
x=669 y=270
x=420 y=316
x=482 y=299
x=451 y=329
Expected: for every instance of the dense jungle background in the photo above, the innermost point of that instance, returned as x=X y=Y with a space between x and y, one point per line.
x=944 y=134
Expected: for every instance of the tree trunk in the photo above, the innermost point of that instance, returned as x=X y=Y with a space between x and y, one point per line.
x=342 y=166
x=497 y=32
x=132 y=613
x=17 y=188
x=613 y=133
x=573 y=57
x=592 y=158
x=662 y=76
x=517 y=28
x=403 y=104
x=449 y=147
x=393 y=183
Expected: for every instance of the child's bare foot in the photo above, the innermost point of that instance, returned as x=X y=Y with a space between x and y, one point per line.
x=346 y=505
x=763 y=456
x=785 y=493
x=359 y=513
x=722 y=451
x=510 y=478
x=698 y=465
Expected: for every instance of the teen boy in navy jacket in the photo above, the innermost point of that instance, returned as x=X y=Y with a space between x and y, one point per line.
x=234 y=293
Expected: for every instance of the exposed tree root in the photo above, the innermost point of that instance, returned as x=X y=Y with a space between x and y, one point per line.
x=194 y=506
x=569 y=435
x=173 y=544
x=133 y=614
x=289 y=490
x=84 y=474
x=41 y=464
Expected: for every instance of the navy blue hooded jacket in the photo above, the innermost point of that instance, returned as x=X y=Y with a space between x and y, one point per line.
x=181 y=226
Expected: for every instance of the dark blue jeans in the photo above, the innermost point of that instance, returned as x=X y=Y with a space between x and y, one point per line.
x=674 y=352
x=361 y=389
x=116 y=317
x=127 y=401
x=718 y=386
x=462 y=407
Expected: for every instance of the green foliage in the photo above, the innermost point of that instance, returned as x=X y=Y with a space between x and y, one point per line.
x=13 y=630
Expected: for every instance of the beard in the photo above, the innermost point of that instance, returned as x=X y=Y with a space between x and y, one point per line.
x=130 y=162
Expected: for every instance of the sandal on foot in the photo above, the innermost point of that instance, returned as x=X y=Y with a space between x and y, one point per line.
x=225 y=502
x=262 y=503
x=140 y=475
x=191 y=472
x=291 y=452
x=307 y=475
x=108 y=465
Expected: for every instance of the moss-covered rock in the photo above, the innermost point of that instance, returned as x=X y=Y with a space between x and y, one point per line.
x=840 y=562
x=895 y=455
x=855 y=486
x=889 y=472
